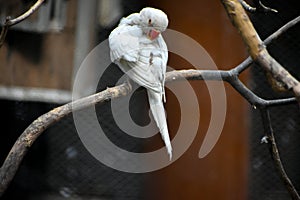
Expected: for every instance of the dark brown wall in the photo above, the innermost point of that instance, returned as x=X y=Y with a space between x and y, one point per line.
x=222 y=175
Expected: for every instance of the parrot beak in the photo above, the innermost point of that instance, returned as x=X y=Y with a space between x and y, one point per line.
x=153 y=34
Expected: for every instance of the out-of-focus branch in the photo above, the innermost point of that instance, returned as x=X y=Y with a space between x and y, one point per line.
x=4 y=32
x=257 y=49
x=247 y=7
x=275 y=153
x=10 y=22
x=25 y=15
x=260 y=7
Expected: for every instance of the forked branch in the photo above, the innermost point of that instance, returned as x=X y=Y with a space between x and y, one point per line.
x=257 y=49
x=260 y=55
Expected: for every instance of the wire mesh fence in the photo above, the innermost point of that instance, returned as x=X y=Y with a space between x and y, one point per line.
x=58 y=166
x=265 y=182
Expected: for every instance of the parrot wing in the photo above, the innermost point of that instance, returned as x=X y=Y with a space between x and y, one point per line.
x=127 y=49
x=124 y=44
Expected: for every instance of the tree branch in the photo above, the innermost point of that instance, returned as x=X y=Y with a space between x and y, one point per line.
x=10 y=22
x=275 y=154
x=4 y=31
x=246 y=63
x=34 y=130
x=259 y=54
x=256 y=47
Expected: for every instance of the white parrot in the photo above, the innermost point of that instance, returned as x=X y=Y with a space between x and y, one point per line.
x=139 y=49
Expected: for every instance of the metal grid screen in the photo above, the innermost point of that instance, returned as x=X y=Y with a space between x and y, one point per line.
x=59 y=166
x=265 y=182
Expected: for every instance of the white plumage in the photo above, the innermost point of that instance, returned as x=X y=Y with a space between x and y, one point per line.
x=139 y=49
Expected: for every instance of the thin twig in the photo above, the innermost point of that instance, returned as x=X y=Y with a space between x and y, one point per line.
x=4 y=32
x=260 y=7
x=247 y=62
x=10 y=22
x=282 y=30
x=275 y=154
x=25 y=15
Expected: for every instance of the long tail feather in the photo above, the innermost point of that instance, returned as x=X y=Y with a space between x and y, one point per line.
x=158 y=112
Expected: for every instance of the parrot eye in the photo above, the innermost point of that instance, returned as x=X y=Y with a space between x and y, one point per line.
x=149 y=21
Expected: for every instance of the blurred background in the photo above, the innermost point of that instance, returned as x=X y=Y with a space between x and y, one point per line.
x=39 y=61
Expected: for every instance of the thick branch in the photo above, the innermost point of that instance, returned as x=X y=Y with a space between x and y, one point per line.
x=33 y=131
x=275 y=154
x=259 y=54
x=257 y=49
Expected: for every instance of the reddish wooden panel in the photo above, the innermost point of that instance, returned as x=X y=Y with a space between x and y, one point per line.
x=223 y=173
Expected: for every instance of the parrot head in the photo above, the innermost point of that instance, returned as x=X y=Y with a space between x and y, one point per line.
x=153 y=22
